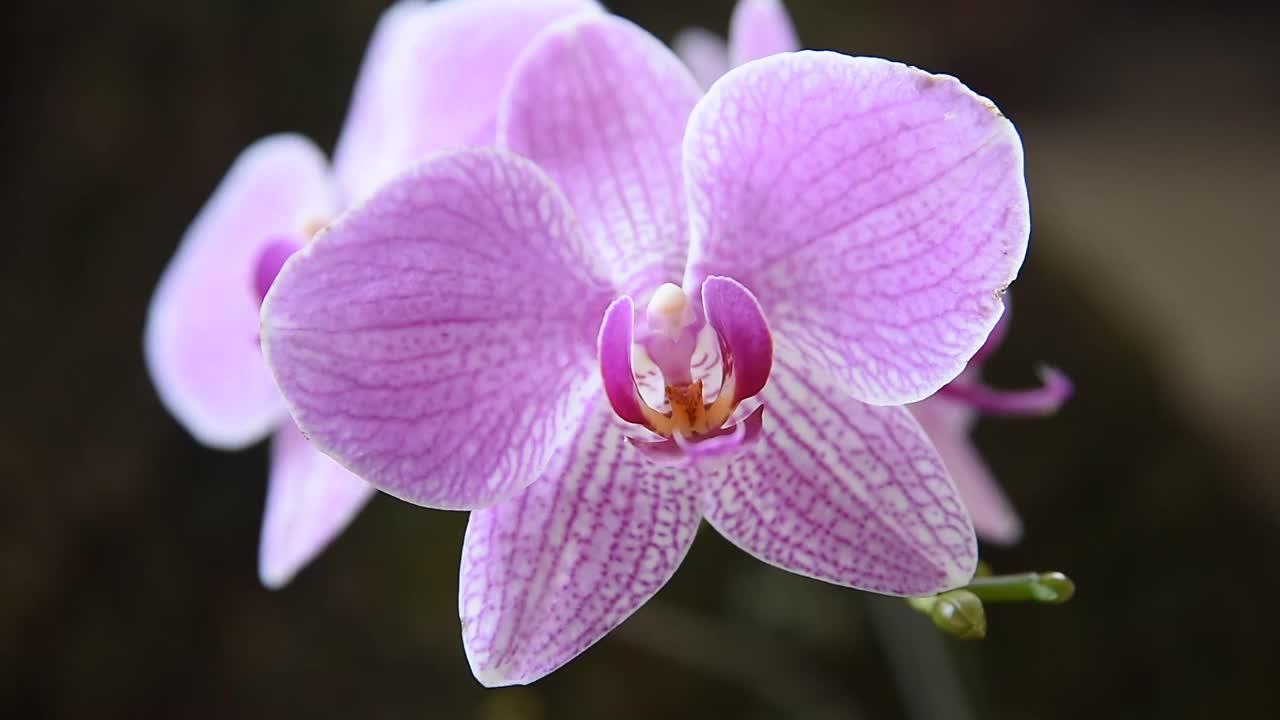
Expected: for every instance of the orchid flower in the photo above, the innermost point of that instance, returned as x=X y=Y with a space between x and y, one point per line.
x=201 y=340
x=647 y=307
x=948 y=417
x=759 y=28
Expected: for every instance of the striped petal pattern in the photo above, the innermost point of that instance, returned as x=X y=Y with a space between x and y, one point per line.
x=877 y=212
x=842 y=491
x=404 y=350
x=613 y=147
x=548 y=573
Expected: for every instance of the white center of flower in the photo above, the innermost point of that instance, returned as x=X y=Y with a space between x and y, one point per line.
x=668 y=311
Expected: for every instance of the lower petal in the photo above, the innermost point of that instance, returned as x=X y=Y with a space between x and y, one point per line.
x=842 y=491
x=310 y=500
x=551 y=571
x=948 y=424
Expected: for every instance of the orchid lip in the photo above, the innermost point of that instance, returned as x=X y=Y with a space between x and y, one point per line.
x=1055 y=390
x=724 y=442
x=271 y=259
x=746 y=352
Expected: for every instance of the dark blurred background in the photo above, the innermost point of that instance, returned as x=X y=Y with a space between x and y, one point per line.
x=128 y=583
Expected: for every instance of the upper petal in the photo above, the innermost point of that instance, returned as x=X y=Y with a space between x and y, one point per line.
x=431 y=79
x=842 y=491
x=948 y=424
x=760 y=28
x=200 y=339
x=438 y=339
x=310 y=500
x=877 y=212
x=703 y=52
x=601 y=105
x=549 y=572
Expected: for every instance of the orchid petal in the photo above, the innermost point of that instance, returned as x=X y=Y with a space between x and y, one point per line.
x=431 y=80
x=760 y=28
x=842 y=491
x=948 y=425
x=877 y=212
x=551 y=571
x=746 y=345
x=617 y=337
x=703 y=52
x=437 y=340
x=200 y=338
x=310 y=500
x=994 y=339
x=601 y=106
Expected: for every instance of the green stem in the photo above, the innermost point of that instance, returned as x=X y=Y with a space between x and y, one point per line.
x=1052 y=588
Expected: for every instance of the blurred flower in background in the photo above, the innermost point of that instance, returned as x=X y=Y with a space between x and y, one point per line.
x=201 y=335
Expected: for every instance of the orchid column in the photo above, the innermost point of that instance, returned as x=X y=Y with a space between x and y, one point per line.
x=648 y=307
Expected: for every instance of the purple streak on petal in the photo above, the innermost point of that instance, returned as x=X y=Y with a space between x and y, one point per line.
x=431 y=80
x=617 y=336
x=438 y=340
x=703 y=52
x=876 y=211
x=1044 y=400
x=310 y=500
x=198 y=340
x=718 y=445
x=842 y=491
x=760 y=28
x=548 y=573
x=746 y=345
x=601 y=106
x=270 y=259
x=948 y=425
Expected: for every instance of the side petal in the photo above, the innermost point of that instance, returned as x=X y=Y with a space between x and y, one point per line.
x=877 y=212
x=948 y=424
x=601 y=105
x=842 y=491
x=438 y=340
x=703 y=52
x=431 y=80
x=760 y=28
x=550 y=572
x=310 y=500
x=200 y=339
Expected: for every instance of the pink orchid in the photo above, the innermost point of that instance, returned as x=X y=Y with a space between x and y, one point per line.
x=201 y=340
x=759 y=28
x=817 y=241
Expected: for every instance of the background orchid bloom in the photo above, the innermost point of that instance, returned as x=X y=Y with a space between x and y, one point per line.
x=759 y=28
x=841 y=230
x=201 y=336
x=948 y=417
